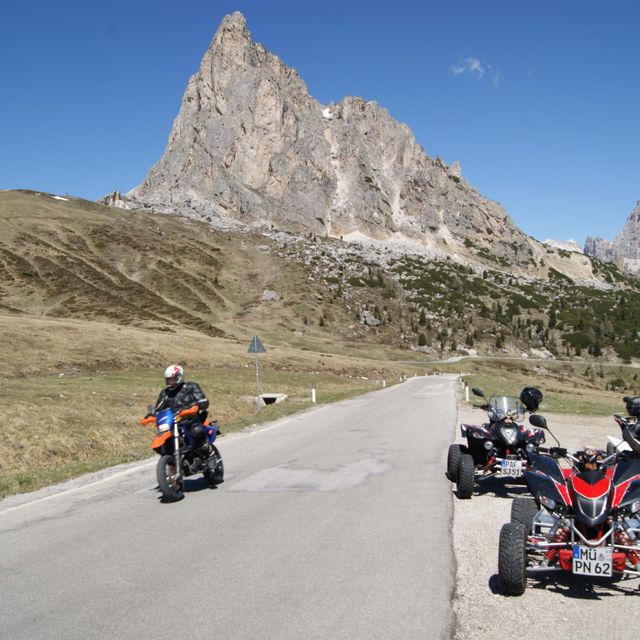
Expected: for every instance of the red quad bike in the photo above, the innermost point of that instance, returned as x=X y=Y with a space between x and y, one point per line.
x=500 y=447
x=584 y=518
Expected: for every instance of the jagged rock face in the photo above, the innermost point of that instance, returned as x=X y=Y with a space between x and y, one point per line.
x=250 y=144
x=625 y=249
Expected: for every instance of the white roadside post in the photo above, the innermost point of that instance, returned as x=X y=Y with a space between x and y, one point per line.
x=256 y=347
x=466 y=392
x=313 y=392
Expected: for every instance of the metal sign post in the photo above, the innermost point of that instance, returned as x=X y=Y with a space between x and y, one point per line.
x=256 y=347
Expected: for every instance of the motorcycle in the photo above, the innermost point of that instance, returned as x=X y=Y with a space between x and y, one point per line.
x=501 y=447
x=584 y=518
x=178 y=457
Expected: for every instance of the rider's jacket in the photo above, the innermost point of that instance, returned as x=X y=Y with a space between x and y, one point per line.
x=183 y=397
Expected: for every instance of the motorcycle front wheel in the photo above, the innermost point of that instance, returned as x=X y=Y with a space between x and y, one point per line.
x=168 y=481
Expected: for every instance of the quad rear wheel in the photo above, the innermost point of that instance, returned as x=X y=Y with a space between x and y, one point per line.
x=523 y=510
x=453 y=460
x=168 y=480
x=512 y=558
x=466 y=473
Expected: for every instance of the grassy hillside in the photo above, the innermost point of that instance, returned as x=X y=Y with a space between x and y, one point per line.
x=96 y=301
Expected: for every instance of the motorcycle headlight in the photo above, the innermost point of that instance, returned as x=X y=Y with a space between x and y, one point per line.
x=510 y=434
x=634 y=507
x=531 y=447
x=488 y=445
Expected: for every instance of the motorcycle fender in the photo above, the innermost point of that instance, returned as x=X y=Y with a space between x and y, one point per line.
x=160 y=439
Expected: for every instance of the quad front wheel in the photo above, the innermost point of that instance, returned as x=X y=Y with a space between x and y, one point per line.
x=512 y=558
x=466 y=472
x=168 y=480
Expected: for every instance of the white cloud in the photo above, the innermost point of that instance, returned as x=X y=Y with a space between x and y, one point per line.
x=471 y=66
x=475 y=68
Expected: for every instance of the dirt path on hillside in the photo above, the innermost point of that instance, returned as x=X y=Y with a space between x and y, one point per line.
x=558 y=606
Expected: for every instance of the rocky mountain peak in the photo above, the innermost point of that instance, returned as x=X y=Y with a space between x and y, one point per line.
x=251 y=146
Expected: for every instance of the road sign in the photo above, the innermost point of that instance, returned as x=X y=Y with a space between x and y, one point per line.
x=256 y=346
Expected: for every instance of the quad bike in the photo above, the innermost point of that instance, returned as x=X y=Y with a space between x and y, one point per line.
x=178 y=457
x=500 y=447
x=584 y=517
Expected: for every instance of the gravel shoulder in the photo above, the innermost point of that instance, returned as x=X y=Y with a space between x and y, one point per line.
x=561 y=605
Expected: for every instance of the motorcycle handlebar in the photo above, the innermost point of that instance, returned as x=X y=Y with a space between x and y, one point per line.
x=185 y=413
x=191 y=411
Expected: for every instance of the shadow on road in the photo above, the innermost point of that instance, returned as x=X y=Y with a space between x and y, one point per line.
x=498 y=487
x=572 y=586
x=190 y=485
x=501 y=487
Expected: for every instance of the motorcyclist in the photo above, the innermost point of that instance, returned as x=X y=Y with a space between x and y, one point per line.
x=179 y=395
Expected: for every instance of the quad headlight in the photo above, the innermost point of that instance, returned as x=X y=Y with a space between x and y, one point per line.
x=510 y=434
x=549 y=503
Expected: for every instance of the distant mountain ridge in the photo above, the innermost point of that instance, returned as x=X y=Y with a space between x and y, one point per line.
x=624 y=251
x=568 y=245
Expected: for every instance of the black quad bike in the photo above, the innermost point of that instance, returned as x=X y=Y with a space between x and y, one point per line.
x=500 y=447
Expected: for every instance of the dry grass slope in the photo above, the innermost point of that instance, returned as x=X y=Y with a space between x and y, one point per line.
x=95 y=301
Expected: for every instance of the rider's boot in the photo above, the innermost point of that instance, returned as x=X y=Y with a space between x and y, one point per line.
x=205 y=451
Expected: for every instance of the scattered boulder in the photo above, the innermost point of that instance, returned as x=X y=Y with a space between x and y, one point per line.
x=270 y=296
x=367 y=318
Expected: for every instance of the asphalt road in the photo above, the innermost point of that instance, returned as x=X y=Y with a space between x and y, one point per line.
x=335 y=523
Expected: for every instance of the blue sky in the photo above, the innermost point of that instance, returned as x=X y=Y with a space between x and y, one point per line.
x=538 y=100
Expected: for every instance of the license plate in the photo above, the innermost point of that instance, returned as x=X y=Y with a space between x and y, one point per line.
x=510 y=468
x=592 y=561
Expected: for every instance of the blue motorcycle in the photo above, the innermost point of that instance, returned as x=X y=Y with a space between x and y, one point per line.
x=178 y=457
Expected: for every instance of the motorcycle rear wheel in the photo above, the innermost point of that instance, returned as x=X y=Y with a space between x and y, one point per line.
x=512 y=558
x=214 y=471
x=169 y=483
x=465 y=479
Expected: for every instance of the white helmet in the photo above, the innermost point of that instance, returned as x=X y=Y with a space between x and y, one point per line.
x=174 y=375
